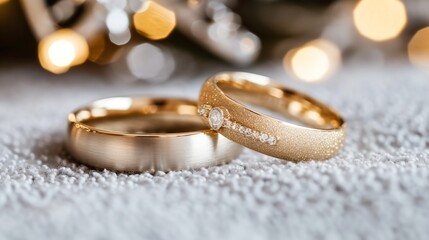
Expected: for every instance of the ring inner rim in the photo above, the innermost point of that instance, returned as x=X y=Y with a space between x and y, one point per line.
x=263 y=92
x=142 y=106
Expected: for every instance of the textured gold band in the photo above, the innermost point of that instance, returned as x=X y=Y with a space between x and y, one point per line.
x=145 y=134
x=222 y=105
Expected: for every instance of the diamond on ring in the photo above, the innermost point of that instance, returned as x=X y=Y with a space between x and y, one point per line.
x=216 y=118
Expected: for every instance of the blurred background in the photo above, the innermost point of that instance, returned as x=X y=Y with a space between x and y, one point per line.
x=156 y=41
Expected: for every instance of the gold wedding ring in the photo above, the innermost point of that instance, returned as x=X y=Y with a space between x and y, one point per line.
x=145 y=134
x=223 y=104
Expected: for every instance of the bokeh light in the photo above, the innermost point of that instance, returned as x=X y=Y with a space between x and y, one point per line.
x=380 y=20
x=117 y=21
x=3 y=1
x=310 y=63
x=193 y=4
x=314 y=61
x=61 y=53
x=120 y=39
x=62 y=50
x=418 y=49
x=154 y=21
x=150 y=63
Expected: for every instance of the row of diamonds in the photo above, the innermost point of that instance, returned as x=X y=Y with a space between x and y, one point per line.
x=260 y=136
x=205 y=111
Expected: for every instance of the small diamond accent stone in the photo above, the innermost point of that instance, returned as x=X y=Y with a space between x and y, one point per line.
x=203 y=110
x=272 y=140
x=263 y=137
x=255 y=134
x=216 y=118
x=242 y=129
x=248 y=132
x=228 y=124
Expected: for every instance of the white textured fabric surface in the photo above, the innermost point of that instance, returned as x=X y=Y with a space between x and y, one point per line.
x=376 y=188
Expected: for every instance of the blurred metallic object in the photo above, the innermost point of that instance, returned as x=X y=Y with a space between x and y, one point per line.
x=217 y=28
x=85 y=18
x=106 y=26
x=366 y=29
x=88 y=21
x=63 y=11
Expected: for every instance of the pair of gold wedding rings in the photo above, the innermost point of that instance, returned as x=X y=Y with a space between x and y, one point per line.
x=163 y=134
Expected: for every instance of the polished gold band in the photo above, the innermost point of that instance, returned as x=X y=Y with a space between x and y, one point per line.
x=222 y=105
x=145 y=134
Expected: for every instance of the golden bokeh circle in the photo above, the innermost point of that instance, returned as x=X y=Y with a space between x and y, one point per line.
x=380 y=20
x=314 y=61
x=418 y=49
x=154 y=21
x=61 y=50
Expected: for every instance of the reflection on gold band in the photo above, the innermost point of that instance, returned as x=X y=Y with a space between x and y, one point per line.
x=223 y=104
x=145 y=134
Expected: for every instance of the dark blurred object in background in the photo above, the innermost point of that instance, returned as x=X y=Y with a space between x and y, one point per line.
x=16 y=37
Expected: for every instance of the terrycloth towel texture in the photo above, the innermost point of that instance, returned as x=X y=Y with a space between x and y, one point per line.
x=376 y=188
